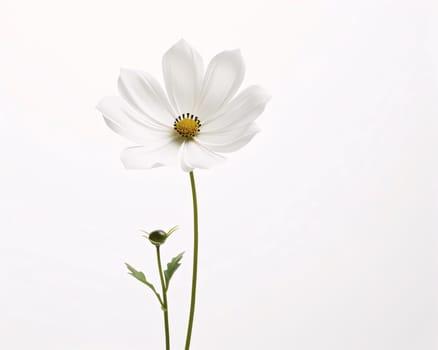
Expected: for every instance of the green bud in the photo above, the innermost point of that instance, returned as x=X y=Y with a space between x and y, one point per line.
x=157 y=237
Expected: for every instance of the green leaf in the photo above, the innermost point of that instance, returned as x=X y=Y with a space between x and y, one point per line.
x=172 y=230
x=142 y=278
x=172 y=266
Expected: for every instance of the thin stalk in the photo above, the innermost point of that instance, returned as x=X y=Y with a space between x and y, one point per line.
x=195 y=261
x=165 y=307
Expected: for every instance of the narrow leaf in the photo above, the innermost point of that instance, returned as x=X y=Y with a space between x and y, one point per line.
x=142 y=278
x=172 y=230
x=172 y=266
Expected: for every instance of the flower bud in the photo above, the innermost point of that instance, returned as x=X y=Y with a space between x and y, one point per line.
x=157 y=237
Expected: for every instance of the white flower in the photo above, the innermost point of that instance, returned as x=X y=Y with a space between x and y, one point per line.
x=196 y=122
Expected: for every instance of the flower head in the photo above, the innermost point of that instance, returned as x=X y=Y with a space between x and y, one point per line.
x=198 y=120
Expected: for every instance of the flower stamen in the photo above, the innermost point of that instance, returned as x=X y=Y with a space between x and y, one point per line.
x=187 y=125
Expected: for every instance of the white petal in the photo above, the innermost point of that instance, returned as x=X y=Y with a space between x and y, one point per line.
x=193 y=155
x=145 y=95
x=222 y=79
x=141 y=157
x=183 y=70
x=127 y=123
x=242 y=110
x=229 y=140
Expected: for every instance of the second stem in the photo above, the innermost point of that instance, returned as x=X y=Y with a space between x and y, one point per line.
x=165 y=306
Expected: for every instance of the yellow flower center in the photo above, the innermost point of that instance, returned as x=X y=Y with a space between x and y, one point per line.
x=187 y=125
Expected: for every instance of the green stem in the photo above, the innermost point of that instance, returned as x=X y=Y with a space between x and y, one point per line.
x=165 y=307
x=195 y=261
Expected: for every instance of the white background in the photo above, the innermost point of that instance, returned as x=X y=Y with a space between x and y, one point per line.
x=319 y=235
